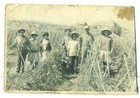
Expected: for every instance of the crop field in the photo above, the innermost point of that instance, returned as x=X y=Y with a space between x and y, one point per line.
x=49 y=76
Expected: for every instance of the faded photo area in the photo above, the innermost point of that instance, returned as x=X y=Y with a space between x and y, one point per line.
x=71 y=49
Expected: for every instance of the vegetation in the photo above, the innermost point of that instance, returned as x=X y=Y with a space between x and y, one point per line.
x=49 y=76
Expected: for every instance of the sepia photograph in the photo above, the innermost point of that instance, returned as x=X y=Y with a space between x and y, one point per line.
x=70 y=49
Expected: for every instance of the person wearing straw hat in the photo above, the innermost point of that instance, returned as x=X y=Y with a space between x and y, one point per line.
x=87 y=40
x=106 y=50
x=73 y=52
x=33 y=56
x=22 y=45
x=45 y=46
x=65 y=40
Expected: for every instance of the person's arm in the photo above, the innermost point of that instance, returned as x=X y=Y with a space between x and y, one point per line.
x=40 y=48
x=79 y=48
x=68 y=47
x=81 y=41
x=92 y=39
x=111 y=45
x=49 y=46
x=28 y=44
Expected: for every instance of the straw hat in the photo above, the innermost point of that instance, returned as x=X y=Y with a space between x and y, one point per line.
x=21 y=31
x=103 y=31
x=34 y=33
x=75 y=34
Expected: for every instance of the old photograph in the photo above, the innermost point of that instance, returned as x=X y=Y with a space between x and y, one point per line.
x=73 y=49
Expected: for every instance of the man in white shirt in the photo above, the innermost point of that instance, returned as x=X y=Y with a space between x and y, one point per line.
x=22 y=45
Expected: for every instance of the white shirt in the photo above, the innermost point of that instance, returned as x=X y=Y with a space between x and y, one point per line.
x=73 y=48
x=21 y=42
x=45 y=44
x=19 y=39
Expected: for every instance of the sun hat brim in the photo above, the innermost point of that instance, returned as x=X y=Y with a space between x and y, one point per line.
x=103 y=31
x=19 y=31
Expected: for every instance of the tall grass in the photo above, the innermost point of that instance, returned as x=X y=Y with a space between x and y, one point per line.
x=49 y=76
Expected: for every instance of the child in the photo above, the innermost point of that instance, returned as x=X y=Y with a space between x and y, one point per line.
x=73 y=52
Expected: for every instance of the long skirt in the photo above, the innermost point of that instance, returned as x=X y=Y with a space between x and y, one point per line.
x=45 y=55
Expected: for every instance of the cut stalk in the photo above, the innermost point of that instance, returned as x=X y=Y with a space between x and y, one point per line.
x=120 y=82
x=128 y=71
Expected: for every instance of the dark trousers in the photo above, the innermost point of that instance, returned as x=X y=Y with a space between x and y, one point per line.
x=73 y=64
x=21 y=60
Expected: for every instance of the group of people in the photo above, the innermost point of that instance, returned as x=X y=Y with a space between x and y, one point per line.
x=75 y=45
x=31 y=47
x=78 y=47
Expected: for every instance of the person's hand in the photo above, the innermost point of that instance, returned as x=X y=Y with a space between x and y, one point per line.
x=63 y=43
x=12 y=46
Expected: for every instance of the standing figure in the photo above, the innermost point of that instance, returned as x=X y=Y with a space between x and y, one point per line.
x=87 y=40
x=65 y=58
x=22 y=45
x=66 y=40
x=33 y=56
x=73 y=52
x=45 y=46
x=106 y=50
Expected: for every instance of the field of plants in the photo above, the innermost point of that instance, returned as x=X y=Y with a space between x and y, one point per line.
x=49 y=76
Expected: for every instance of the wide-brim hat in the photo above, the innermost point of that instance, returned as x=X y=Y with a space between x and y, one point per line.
x=21 y=31
x=34 y=33
x=103 y=31
x=77 y=34
x=45 y=34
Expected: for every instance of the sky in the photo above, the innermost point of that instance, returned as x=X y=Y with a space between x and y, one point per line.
x=60 y=14
x=64 y=14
